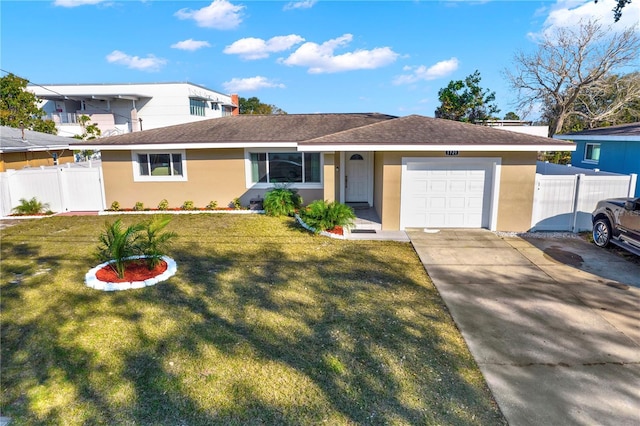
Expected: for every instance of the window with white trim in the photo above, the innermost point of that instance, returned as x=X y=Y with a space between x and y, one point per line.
x=159 y=166
x=285 y=167
x=592 y=153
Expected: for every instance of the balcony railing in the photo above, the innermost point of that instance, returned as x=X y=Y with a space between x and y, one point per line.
x=63 y=117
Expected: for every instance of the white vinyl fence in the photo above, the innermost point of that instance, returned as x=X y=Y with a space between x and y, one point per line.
x=565 y=202
x=63 y=188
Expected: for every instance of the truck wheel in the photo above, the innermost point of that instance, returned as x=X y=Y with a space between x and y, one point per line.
x=601 y=232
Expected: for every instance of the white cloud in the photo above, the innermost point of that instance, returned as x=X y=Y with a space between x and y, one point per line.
x=220 y=14
x=250 y=84
x=422 y=72
x=569 y=13
x=320 y=58
x=75 y=3
x=305 y=4
x=190 y=44
x=257 y=48
x=150 y=63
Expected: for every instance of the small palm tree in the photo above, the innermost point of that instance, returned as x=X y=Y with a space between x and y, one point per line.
x=154 y=241
x=32 y=206
x=119 y=244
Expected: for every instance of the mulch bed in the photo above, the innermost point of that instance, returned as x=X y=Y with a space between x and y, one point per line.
x=136 y=270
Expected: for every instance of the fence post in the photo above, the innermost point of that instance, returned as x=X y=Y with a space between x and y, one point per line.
x=633 y=178
x=62 y=185
x=576 y=199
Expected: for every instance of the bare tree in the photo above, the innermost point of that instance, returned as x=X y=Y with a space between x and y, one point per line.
x=568 y=62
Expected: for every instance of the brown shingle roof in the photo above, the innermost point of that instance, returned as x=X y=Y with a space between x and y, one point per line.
x=631 y=129
x=328 y=129
x=248 y=128
x=419 y=130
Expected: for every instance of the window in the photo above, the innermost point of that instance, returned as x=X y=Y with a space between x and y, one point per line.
x=285 y=167
x=159 y=166
x=592 y=153
x=196 y=107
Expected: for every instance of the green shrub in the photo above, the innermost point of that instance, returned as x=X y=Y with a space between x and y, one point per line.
x=115 y=206
x=322 y=215
x=139 y=206
x=236 y=204
x=282 y=201
x=119 y=244
x=32 y=206
x=154 y=242
x=188 y=205
x=212 y=205
x=163 y=205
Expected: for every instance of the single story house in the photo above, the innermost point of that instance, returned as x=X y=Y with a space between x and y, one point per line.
x=611 y=149
x=26 y=148
x=415 y=171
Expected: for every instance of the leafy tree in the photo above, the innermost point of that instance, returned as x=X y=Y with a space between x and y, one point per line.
x=89 y=130
x=568 y=64
x=254 y=106
x=511 y=116
x=464 y=100
x=19 y=107
x=617 y=11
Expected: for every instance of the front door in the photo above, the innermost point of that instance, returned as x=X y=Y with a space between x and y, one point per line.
x=356 y=179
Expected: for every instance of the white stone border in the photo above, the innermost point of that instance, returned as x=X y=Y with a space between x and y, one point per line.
x=161 y=212
x=92 y=281
x=323 y=233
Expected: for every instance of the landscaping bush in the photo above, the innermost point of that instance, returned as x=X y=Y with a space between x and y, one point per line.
x=236 y=204
x=188 y=205
x=139 y=206
x=163 y=205
x=30 y=207
x=212 y=205
x=322 y=215
x=115 y=206
x=282 y=201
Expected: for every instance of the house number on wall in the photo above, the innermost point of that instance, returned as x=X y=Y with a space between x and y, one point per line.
x=451 y=153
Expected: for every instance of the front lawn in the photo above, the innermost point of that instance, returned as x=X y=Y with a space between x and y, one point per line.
x=263 y=323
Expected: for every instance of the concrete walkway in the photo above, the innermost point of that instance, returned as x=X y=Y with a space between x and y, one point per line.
x=555 y=334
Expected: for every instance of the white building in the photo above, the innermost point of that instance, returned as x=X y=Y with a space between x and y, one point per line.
x=125 y=108
x=519 y=126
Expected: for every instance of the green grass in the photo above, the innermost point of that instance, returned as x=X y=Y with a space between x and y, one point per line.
x=264 y=323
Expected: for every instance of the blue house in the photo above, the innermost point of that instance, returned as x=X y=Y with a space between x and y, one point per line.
x=609 y=149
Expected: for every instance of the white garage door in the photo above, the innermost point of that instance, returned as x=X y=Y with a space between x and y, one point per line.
x=446 y=193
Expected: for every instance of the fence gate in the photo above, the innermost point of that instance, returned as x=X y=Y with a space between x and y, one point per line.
x=63 y=188
x=565 y=202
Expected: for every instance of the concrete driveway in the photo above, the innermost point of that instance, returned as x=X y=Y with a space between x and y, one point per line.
x=554 y=324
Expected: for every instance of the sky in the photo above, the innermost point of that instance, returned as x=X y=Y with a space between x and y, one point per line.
x=306 y=56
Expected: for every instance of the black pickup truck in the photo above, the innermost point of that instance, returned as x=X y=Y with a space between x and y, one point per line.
x=617 y=221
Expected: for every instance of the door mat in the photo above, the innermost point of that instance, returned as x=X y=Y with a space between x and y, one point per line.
x=363 y=231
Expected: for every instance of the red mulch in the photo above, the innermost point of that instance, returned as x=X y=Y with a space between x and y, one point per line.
x=135 y=270
x=336 y=230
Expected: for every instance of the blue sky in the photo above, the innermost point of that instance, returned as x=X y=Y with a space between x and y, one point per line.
x=302 y=56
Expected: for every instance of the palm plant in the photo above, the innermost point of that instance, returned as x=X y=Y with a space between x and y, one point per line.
x=119 y=244
x=282 y=201
x=154 y=241
x=322 y=215
x=32 y=206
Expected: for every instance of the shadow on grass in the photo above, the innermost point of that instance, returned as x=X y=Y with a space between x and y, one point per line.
x=253 y=330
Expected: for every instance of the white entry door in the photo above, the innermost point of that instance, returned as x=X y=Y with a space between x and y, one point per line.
x=356 y=179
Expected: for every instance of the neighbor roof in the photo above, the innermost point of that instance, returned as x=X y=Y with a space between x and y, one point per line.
x=11 y=140
x=622 y=132
x=309 y=132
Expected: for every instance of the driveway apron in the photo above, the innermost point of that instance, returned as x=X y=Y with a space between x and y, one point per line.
x=555 y=334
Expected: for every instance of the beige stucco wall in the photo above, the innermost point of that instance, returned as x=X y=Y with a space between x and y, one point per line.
x=515 y=201
x=330 y=177
x=20 y=160
x=213 y=175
